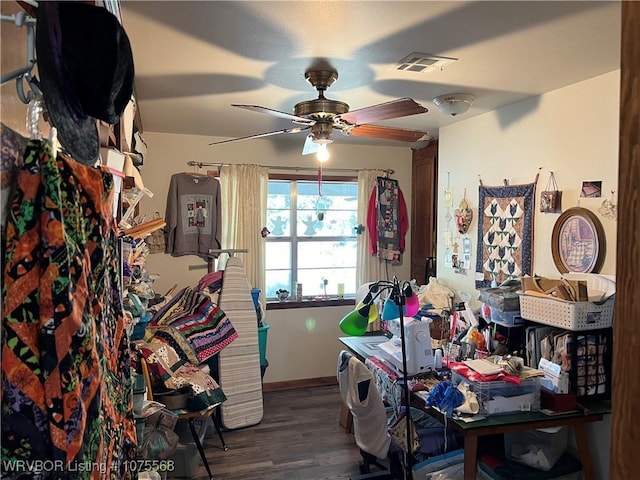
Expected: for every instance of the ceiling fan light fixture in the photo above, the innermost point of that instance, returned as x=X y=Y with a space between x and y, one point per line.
x=321 y=133
x=323 y=153
x=322 y=139
x=454 y=103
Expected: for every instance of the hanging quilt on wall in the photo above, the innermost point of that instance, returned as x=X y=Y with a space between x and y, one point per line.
x=387 y=220
x=505 y=233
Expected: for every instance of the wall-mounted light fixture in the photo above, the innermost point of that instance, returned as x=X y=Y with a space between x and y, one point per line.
x=454 y=103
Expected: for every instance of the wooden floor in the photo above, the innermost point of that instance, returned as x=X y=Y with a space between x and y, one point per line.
x=299 y=438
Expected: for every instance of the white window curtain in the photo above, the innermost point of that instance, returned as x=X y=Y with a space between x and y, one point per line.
x=244 y=199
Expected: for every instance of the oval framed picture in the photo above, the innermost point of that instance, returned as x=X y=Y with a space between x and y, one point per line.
x=578 y=242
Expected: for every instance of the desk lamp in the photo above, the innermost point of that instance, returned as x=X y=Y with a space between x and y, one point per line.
x=401 y=301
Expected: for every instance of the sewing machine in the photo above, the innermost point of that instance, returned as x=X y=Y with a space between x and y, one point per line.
x=417 y=343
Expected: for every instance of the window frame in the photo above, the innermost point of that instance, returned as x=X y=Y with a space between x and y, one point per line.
x=292 y=302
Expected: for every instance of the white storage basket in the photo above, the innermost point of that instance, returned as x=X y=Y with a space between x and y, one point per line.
x=573 y=316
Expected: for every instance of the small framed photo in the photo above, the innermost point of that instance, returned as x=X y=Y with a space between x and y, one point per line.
x=466 y=245
x=591 y=189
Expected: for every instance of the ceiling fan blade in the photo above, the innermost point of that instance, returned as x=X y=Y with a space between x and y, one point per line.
x=275 y=113
x=261 y=135
x=388 y=133
x=309 y=146
x=403 y=107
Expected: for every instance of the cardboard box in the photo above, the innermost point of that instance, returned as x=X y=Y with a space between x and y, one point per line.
x=563 y=289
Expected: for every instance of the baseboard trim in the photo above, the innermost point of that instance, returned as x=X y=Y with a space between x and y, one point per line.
x=304 y=383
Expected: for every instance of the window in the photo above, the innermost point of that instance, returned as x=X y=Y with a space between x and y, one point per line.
x=313 y=237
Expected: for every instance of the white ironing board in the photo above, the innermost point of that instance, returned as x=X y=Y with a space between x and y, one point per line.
x=239 y=363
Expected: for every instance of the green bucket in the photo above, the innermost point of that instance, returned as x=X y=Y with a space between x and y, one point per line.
x=262 y=343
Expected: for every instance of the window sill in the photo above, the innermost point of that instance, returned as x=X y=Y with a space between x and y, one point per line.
x=310 y=303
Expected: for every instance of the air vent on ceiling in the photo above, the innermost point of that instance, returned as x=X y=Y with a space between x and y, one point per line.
x=423 y=62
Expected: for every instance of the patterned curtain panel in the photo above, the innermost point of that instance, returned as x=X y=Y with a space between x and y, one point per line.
x=505 y=233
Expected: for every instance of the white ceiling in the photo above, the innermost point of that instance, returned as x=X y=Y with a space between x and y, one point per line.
x=194 y=59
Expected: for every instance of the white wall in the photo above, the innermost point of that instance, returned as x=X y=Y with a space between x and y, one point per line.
x=572 y=131
x=302 y=343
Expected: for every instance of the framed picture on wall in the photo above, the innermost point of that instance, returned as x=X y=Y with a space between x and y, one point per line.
x=578 y=242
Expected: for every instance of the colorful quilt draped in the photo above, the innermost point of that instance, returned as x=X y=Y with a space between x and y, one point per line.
x=66 y=391
x=174 y=372
x=387 y=220
x=505 y=233
x=202 y=323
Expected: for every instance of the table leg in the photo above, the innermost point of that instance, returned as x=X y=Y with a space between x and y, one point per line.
x=470 y=456
x=583 y=450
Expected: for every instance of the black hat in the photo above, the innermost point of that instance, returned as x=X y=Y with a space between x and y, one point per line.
x=85 y=65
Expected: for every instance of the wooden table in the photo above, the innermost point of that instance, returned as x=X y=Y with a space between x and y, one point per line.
x=521 y=421
x=365 y=346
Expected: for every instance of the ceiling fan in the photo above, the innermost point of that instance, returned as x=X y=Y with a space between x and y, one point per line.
x=322 y=115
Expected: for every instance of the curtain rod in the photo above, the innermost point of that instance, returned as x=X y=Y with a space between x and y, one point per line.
x=193 y=163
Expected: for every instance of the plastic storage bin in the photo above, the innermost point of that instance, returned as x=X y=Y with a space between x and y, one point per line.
x=568 y=468
x=508 y=319
x=186 y=458
x=504 y=397
x=186 y=461
x=504 y=297
x=573 y=316
x=539 y=449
